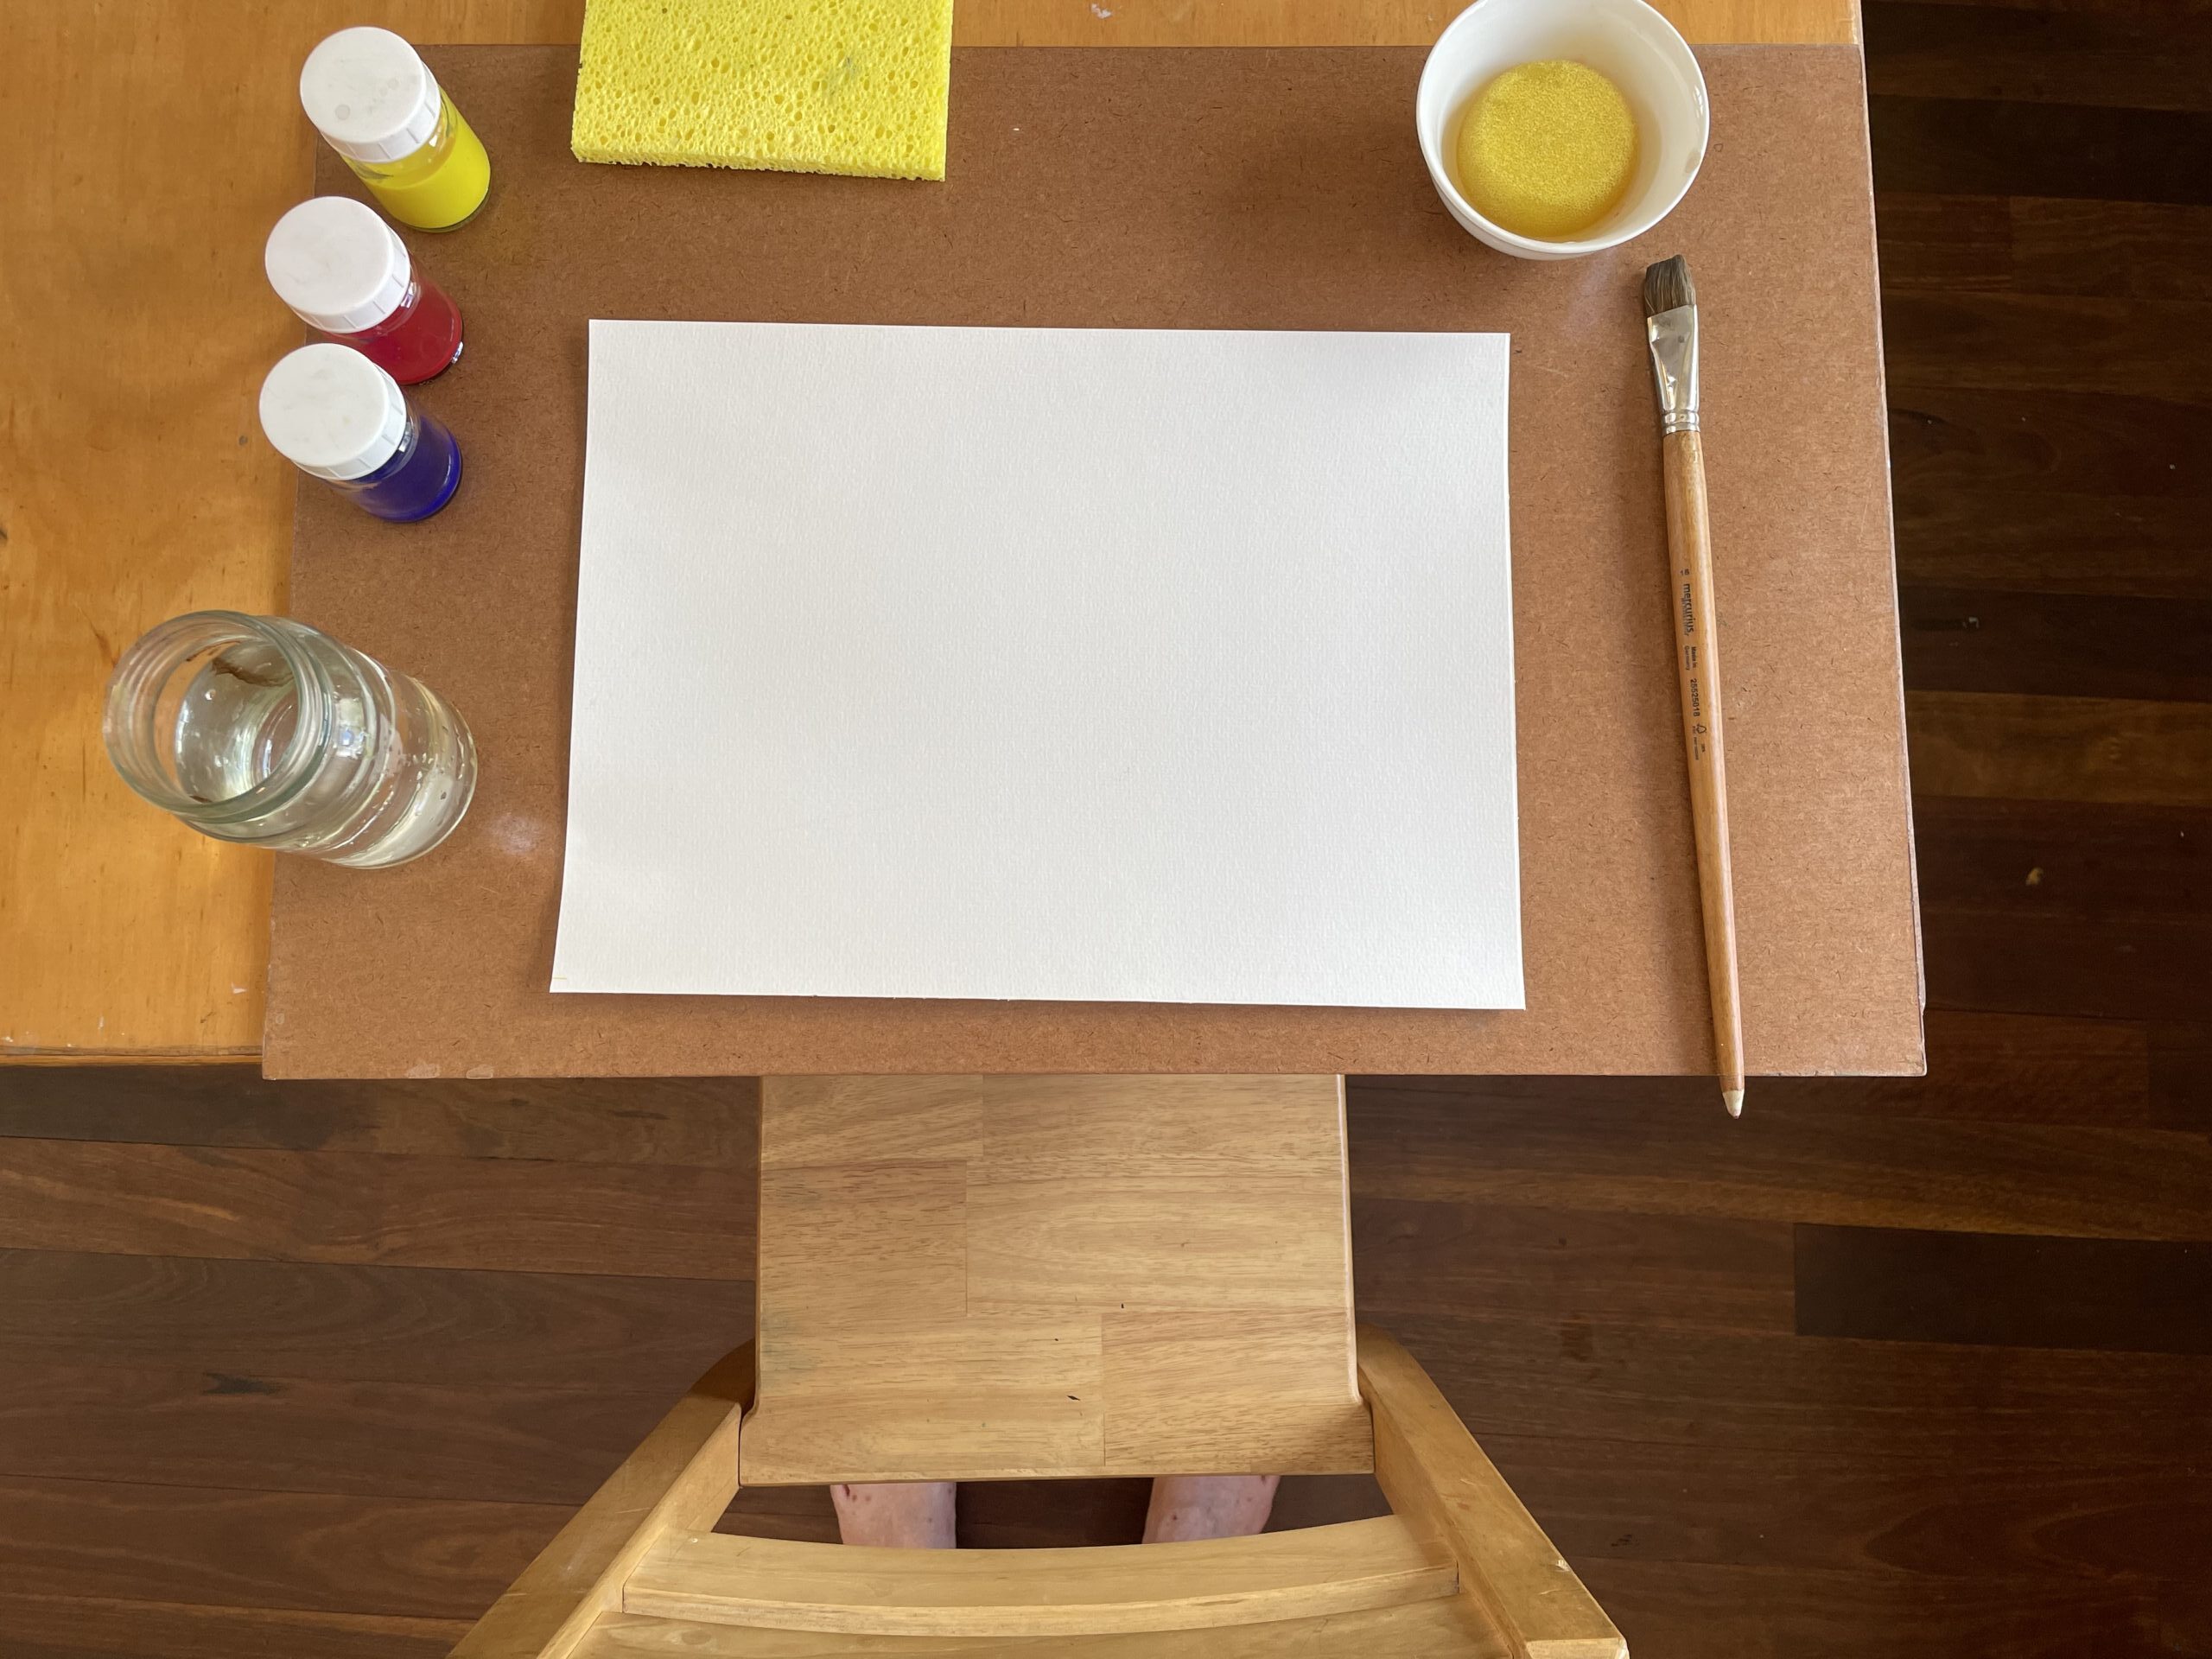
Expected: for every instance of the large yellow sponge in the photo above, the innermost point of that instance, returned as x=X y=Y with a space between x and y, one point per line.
x=796 y=86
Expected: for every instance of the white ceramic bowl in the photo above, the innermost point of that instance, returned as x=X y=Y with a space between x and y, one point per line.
x=1624 y=40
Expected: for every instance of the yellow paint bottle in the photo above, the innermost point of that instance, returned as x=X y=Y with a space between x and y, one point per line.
x=376 y=102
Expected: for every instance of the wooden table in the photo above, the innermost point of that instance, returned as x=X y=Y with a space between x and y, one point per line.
x=134 y=327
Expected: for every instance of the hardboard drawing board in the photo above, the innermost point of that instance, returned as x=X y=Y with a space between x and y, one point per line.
x=1085 y=664
x=1213 y=188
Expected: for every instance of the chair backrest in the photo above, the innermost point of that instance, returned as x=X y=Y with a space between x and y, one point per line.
x=1012 y=1278
x=1459 y=1567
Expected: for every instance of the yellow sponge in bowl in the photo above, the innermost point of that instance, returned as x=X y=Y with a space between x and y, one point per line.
x=796 y=86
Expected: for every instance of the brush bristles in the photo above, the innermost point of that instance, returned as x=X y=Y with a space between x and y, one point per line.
x=1667 y=286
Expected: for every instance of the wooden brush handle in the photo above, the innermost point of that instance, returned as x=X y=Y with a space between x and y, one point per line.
x=1697 y=661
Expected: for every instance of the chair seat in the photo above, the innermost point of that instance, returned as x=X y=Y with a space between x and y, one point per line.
x=988 y=1278
x=1419 y=1630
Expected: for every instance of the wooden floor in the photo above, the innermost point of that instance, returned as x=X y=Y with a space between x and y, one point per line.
x=310 y=1371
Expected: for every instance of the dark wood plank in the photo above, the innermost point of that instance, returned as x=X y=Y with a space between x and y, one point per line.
x=1012 y=1513
x=2093 y=57
x=2145 y=546
x=1323 y=1500
x=1946 y=438
x=310 y=1551
x=2110 y=749
x=1900 y=1285
x=1671 y=1611
x=1049 y=1513
x=2153 y=8
x=803 y=1514
x=1592 y=1382
x=2181 y=1075
x=2004 y=1068
x=522 y=1440
x=2036 y=244
x=63 y=1627
x=2057 y=645
x=2067 y=908
x=1411 y=1254
x=1952 y=244
x=1669 y=1156
x=524 y=1216
x=2050 y=344
x=2085 y=860
x=1983 y=1517
x=358 y=1323
x=709 y=1122
x=2067 y=965
x=1974 y=147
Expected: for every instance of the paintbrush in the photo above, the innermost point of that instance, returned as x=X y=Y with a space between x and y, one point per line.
x=1670 y=324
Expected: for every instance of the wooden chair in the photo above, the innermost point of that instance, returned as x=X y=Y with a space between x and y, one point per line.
x=993 y=1278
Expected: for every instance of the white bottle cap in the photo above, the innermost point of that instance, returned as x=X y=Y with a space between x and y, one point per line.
x=330 y=411
x=370 y=95
x=338 y=266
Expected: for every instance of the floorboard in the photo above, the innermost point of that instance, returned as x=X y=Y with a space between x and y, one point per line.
x=1848 y=1510
x=1949 y=1407
x=2004 y=1068
x=64 y=1627
x=2104 y=646
x=497 y=1214
x=2037 y=245
x=1867 y=1614
x=2105 y=750
x=521 y=1441
x=2056 y=345
x=2090 y=861
x=2005 y=1289
x=317 y=1552
x=1986 y=442
x=2039 y=56
x=2062 y=965
x=1852 y=1169
x=1973 y=146
x=365 y=1323
x=703 y=1122
x=2180 y=1077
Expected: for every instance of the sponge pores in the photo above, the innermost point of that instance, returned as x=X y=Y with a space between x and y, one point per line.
x=857 y=86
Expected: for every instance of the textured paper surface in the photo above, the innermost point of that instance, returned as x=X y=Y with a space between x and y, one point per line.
x=1119 y=666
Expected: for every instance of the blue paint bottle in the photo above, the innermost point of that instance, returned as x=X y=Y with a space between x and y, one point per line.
x=337 y=416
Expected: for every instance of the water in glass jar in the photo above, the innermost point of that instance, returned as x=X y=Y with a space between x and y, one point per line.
x=235 y=721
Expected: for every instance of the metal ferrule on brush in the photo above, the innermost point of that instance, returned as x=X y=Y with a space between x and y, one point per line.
x=1673 y=334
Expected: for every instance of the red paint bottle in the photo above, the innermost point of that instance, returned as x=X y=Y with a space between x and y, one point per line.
x=344 y=270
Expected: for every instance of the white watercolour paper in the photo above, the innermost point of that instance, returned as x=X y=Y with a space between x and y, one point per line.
x=1105 y=665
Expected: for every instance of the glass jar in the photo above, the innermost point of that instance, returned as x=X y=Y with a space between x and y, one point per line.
x=262 y=730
